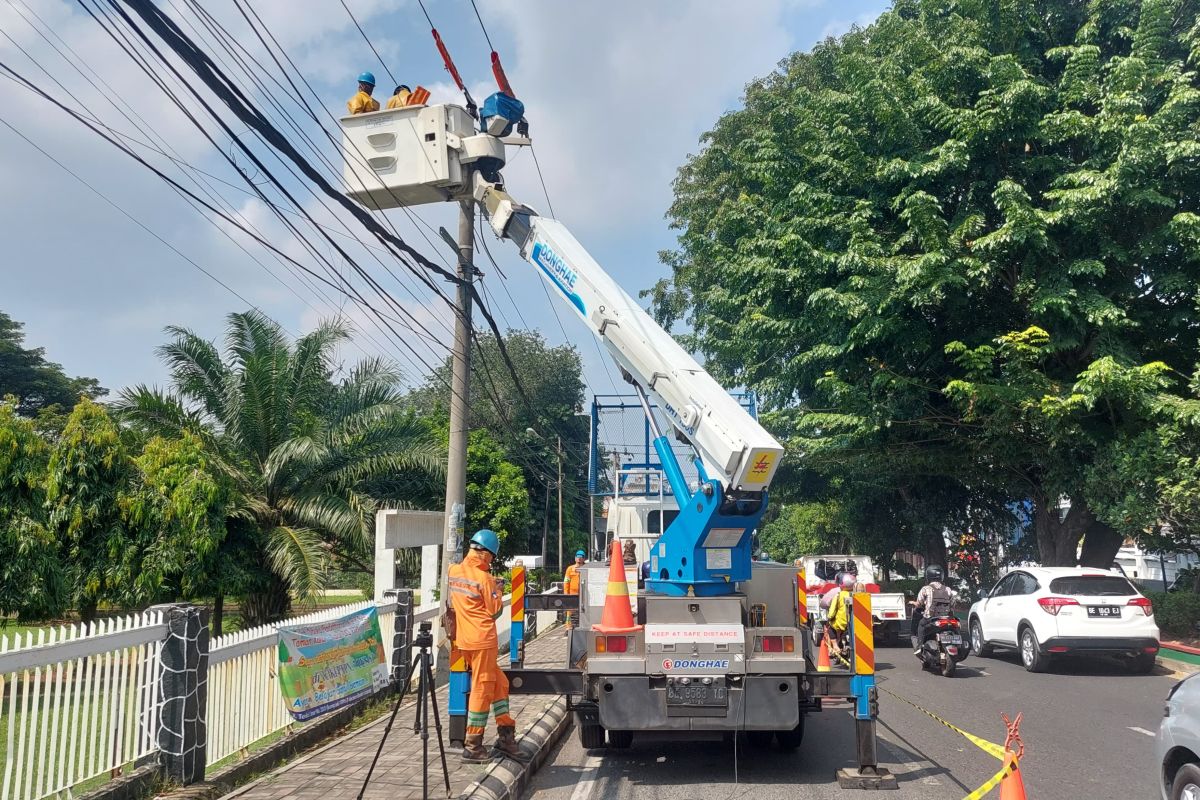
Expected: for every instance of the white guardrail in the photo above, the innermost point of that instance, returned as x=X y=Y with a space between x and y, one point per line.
x=77 y=703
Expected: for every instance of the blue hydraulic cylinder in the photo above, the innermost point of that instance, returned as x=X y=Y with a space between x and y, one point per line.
x=670 y=465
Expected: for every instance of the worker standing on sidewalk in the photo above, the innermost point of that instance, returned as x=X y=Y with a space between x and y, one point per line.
x=477 y=602
x=571 y=583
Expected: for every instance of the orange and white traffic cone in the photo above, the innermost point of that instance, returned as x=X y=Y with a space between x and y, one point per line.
x=618 y=614
x=1011 y=785
x=823 y=655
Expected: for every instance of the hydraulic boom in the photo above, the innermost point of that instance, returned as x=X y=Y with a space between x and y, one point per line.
x=707 y=548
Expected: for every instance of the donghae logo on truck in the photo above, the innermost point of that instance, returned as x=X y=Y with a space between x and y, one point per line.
x=695 y=663
x=563 y=276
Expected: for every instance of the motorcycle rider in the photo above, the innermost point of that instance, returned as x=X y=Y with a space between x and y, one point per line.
x=934 y=600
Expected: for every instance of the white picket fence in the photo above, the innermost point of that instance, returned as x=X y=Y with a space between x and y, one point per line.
x=245 y=704
x=77 y=703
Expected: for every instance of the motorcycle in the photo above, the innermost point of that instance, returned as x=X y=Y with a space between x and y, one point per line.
x=944 y=646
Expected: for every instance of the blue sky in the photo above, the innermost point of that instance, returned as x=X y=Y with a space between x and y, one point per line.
x=617 y=92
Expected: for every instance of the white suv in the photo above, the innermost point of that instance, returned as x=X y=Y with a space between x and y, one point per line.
x=1048 y=611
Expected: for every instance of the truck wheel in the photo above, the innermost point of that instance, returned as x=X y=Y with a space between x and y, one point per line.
x=790 y=740
x=591 y=736
x=620 y=739
x=759 y=740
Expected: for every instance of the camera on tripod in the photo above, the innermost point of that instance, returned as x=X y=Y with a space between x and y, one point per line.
x=424 y=635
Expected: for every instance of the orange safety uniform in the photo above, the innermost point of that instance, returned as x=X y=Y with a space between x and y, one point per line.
x=361 y=103
x=477 y=602
x=571 y=579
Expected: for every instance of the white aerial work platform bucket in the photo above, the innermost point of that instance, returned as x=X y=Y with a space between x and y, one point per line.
x=411 y=156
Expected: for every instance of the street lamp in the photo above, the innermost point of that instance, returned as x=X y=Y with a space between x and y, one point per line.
x=545 y=522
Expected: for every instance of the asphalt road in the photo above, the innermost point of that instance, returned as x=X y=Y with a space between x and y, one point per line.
x=1088 y=729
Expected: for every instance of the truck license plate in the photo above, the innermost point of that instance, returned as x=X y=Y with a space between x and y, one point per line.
x=697 y=694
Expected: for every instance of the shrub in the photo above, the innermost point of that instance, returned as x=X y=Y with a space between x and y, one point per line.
x=1177 y=613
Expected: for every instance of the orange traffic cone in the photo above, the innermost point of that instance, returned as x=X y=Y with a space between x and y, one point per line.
x=1011 y=785
x=618 y=615
x=823 y=655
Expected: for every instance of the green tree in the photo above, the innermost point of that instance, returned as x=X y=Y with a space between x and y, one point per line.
x=496 y=494
x=545 y=396
x=196 y=535
x=35 y=382
x=32 y=580
x=869 y=239
x=309 y=460
x=88 y=472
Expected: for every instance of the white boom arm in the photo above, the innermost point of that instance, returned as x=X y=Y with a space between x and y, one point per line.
x=731 y=445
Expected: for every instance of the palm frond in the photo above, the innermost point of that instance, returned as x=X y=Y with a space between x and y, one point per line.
x=297 y=555
x=156 y=411
x=196 y=370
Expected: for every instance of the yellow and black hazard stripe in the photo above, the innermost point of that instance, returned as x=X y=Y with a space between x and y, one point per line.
x=864 y=635
x=518 y=593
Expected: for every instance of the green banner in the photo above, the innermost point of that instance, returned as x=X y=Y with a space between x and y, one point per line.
x=327 y=665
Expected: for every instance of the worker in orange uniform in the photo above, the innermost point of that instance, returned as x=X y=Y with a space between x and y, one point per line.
x=477 y=602
x=362 y=102
x=571 y=583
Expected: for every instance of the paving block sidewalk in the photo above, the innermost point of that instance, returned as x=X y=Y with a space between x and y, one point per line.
x=337 y=770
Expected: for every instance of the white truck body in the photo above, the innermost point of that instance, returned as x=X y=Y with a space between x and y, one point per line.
x=888 y=609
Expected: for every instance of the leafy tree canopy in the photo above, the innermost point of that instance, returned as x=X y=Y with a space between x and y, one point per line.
x=958 y=249
x=35 y=382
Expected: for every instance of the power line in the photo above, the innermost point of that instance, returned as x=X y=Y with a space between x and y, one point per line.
x=484 y=27
x=545 y=191
x=129 y=216
x=368 y=41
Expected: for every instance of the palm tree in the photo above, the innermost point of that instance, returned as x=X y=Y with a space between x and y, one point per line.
x=311 y=459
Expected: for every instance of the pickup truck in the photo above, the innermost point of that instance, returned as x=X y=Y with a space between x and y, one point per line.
x=889 y=610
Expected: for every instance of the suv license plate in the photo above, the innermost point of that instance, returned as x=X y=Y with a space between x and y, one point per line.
x=1104 y=612
x=697 y=694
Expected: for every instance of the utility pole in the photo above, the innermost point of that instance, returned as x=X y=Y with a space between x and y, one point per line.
x=545 y=524
x=558 y=439
x=456 y=463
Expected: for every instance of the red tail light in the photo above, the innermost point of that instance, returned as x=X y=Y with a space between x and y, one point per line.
x=949 y=622
x=1052 y=605
x=770 y=644
x=1144 y=604
x=611 y=644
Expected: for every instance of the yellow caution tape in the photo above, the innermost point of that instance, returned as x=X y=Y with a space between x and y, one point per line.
x=991 y=748
x=983 y=744
x=993 y=781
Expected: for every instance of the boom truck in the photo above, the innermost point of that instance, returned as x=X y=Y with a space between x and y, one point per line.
x=721 y=643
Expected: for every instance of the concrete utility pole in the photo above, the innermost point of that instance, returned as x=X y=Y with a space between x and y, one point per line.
x=456 y=464
x=560 y=493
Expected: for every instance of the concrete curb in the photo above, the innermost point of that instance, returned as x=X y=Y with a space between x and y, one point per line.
x=1179 y=667
x=507 y=779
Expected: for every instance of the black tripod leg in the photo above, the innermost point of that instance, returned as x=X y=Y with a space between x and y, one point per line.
x=437 y=724
x=387 y=729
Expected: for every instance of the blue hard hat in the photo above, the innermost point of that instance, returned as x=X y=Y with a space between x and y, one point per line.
x=367 y=78
x=580 y=554
x=488 y=540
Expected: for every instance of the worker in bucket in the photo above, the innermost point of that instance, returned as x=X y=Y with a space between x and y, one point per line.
x=571 y=583
x=399 y=98
x=477 y=602
x=362 y=102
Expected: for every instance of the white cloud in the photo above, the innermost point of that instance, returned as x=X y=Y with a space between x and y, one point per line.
x=618 y=92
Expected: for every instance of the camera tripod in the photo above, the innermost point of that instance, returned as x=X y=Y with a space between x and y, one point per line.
x=426 y=700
